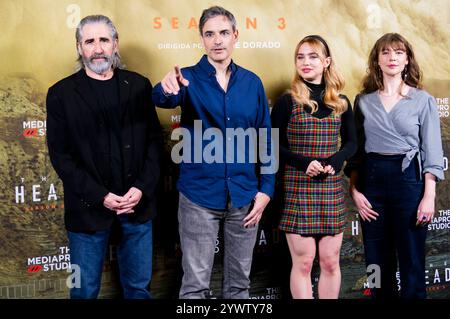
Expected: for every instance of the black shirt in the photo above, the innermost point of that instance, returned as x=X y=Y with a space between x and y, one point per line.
x=107 y=93
x=281 y=115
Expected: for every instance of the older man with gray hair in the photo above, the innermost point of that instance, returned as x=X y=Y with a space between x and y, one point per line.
x=104 y=141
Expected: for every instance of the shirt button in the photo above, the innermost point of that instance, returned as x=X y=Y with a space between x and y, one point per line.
x=228 y=118
x=127 y=146
x=229 y=138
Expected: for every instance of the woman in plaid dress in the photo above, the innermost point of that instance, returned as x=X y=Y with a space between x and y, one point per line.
x=311 y=118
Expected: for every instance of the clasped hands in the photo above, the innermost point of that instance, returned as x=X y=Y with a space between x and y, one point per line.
x=123 y=204
x=315 y=168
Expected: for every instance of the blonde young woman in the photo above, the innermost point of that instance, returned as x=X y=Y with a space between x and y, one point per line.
x=394 y=172
x=311 y=117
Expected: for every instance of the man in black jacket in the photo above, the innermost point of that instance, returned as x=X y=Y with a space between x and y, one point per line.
x=104 y=141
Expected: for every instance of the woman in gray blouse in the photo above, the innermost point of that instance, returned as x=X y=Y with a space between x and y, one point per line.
x=394 y=173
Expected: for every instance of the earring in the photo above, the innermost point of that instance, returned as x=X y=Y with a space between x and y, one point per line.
x=405 y=73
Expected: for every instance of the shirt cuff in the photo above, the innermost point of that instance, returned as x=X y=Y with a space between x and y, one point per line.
x=267 y=189
x=436 y=172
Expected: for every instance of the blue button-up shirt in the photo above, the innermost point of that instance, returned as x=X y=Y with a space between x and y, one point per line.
x=210 y=171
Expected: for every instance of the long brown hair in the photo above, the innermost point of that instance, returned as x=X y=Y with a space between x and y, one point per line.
x=411 y=75
x=334 y=83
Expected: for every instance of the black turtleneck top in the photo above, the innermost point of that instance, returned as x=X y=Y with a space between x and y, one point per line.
x=281 y=114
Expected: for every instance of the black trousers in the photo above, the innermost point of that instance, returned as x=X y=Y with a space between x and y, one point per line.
x=395 y=196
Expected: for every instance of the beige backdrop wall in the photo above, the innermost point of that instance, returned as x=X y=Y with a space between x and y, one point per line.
x=37 y=48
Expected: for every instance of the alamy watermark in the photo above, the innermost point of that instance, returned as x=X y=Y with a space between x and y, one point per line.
x=198 y=145
x=374 y=276
x=74 y=279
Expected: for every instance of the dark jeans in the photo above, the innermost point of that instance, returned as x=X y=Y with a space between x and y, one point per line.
x=134 y=256
x=395 y=196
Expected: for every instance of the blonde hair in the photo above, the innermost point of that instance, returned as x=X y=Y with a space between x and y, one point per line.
x=334 y=83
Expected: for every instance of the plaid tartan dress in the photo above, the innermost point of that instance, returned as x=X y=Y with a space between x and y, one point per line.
x=312 y=206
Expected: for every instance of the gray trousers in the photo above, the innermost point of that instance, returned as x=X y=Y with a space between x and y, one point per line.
x=198 y=228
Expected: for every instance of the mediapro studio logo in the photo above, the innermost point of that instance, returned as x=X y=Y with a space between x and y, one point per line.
x=57 y=262
x=34 y=268
x=34 y=128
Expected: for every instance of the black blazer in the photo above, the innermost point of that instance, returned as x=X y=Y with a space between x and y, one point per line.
x=78 y=144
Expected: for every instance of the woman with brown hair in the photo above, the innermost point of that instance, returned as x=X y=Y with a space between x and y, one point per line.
x=394 y=172
x=311 y=117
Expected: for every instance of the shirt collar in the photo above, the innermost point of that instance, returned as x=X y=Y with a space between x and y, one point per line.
x=209 y=68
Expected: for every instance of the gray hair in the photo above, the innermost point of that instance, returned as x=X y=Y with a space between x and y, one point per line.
x=214 y=12
x=117 y=63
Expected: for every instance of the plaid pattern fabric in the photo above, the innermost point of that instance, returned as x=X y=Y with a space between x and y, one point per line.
x=312 y=206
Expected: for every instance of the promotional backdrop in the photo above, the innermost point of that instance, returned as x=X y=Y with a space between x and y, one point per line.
x=37 y=48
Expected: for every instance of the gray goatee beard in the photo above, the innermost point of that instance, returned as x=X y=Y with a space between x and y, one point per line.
x=98 y=67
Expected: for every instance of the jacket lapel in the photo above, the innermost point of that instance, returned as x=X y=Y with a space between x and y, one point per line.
x=124 y=90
